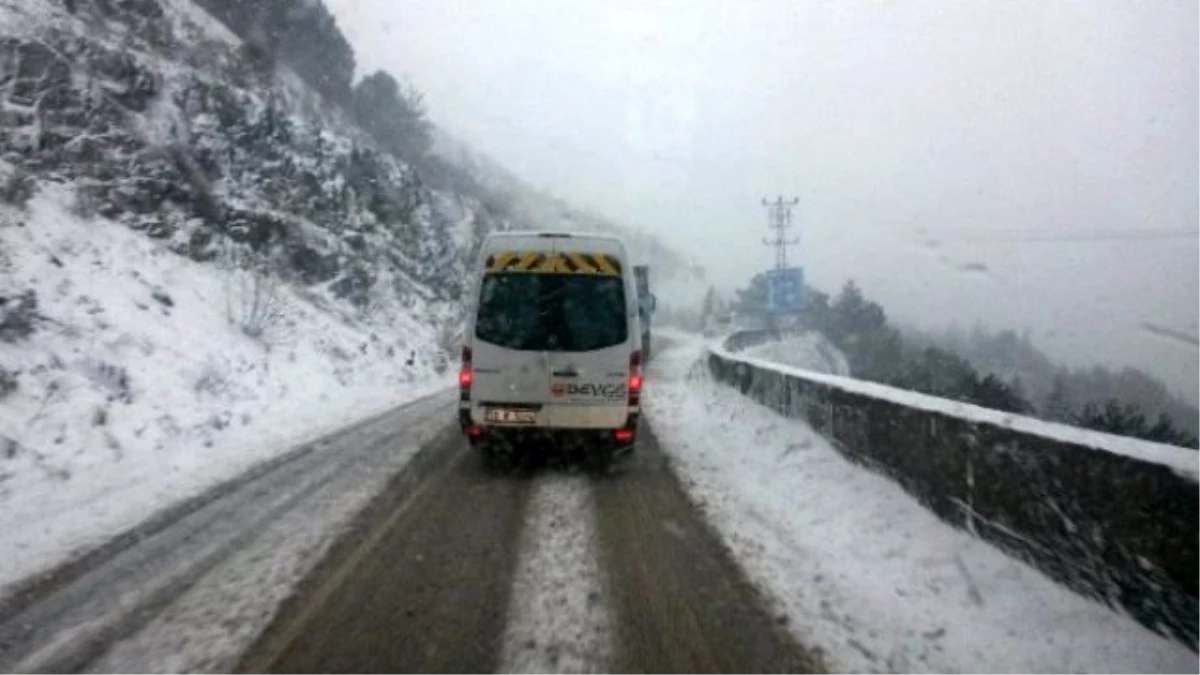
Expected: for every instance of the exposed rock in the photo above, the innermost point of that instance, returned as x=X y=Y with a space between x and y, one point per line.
x=209 y=152
x=163 y=297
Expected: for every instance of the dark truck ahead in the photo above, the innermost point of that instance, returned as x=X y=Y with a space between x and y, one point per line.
x=646 y=303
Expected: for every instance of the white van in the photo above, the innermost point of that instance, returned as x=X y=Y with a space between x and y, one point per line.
x=552 y=347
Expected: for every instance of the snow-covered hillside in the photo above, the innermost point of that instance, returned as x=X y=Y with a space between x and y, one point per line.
x=153 y=117
x=201 y=265
x=136 y=389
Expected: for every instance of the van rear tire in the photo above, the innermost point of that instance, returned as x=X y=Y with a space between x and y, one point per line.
x=604 y=460
x=494 y=460
x=598 y=461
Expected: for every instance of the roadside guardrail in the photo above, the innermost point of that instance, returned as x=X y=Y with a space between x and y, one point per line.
x=1110 y=517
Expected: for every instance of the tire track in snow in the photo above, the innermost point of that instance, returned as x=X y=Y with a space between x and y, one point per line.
x=558 y=615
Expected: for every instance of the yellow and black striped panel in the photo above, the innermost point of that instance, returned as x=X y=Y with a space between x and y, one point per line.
x=550 y=262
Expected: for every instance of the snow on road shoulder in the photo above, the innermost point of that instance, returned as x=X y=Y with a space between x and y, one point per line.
x=133 y=390
x=558 y=621
x=863 y=571
x=211 y=625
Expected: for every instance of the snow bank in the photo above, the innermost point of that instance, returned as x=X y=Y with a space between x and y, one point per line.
x=862 y=570
x=136 y=391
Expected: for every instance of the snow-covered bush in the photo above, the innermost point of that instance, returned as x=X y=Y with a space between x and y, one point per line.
x=18 y=315
x=8 y=382
x=16 y=186
x=84 y=204
x=254 y=299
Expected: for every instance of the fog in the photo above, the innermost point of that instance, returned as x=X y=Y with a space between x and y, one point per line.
x=1025 y=165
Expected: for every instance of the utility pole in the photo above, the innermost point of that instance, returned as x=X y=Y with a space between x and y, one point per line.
x=779 y=218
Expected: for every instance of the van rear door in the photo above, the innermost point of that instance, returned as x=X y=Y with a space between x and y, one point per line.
x=589 y=343
x=508 y=356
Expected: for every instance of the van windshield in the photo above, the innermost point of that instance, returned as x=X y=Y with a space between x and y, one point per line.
x=551 y=312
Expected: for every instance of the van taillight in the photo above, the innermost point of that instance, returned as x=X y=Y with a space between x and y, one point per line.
x=635 y=377
x=465 y=375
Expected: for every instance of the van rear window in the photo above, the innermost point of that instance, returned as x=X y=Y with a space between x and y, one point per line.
x=551 y=312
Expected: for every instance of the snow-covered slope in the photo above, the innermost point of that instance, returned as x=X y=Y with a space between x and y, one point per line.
x=136 y=389
x=200 y=265
x=153 y=116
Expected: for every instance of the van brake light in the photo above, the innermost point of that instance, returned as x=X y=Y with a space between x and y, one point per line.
x=635 y=377
x=465 y=375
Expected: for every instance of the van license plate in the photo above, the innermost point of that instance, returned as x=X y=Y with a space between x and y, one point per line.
x=502 y=416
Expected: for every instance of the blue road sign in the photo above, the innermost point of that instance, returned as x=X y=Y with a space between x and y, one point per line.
x=785 y=289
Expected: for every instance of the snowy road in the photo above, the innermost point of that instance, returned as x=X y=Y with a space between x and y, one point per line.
x=553 y=572
x=386 y=548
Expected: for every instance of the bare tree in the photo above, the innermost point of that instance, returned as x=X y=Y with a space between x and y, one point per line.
x=254 y=301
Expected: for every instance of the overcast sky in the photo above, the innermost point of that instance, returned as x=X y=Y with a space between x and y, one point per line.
x=977 y=122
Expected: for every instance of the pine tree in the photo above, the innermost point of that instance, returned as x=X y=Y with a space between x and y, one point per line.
x=1058 y=404
x=1164 y=431
x=1114 y=418
x=992 y=392
x=752 y=300
x=394 y=115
